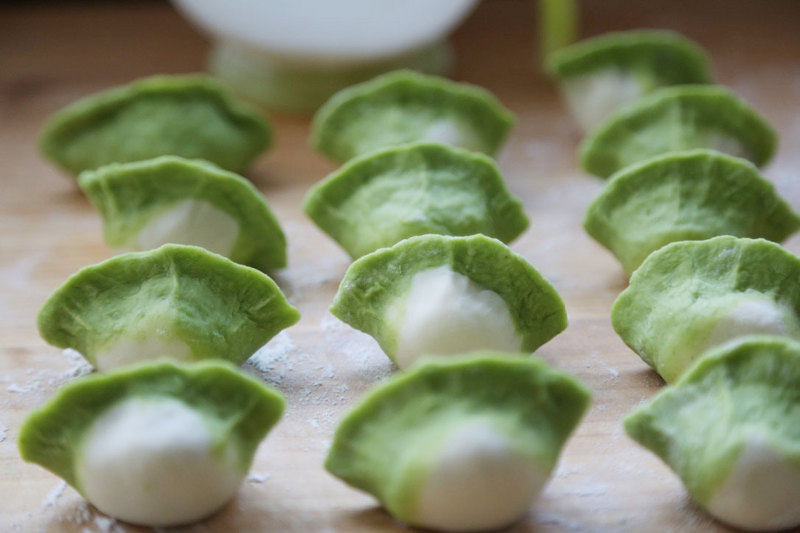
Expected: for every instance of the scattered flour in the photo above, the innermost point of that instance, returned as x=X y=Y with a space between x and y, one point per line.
x=81 y=514
x=43 y=382
x=80 y=366
x=613 y=372
x=361 y=352
x=257 y=478
x=560 y=522
x=84 y=515
x=19 y=389
x=54 y=494
x=598 y=489
x=330 y=323
x=270 y=356
x=321 y=377
x=105 y=524
x=3 y=432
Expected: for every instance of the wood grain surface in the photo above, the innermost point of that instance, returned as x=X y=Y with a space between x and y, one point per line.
x=53 y=53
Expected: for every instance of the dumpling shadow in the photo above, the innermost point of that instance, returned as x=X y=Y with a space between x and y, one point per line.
x=649 y=377
x=377 y=519
x=71 y=194
x=373 y=518
x=264 y=178
x=619 y=280
x=230 y=517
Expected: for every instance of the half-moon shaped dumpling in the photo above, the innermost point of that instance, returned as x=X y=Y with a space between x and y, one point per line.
x=190 y=116
x=730 y=428
x=690 y=296
x=459 y=445
x=674 y=119
x=601 y=74
x=173 y=200
x=157 y=444
x=437 y=295
x=379 y=199
x=176 y=301
x=402 y=107
x=683 y=196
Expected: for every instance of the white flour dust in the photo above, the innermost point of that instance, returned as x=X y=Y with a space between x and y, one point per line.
x=272 y=356
x=55 y=493
x=257 y=478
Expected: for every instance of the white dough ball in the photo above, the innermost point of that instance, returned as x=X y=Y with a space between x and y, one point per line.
x=478 y=482
x=446 y=313
x=153 y=461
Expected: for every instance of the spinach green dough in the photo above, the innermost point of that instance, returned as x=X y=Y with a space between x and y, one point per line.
x=438 y=295
x=690 y=296
x=729 y=429
x=601 y=74
x=691 y=195
x=190 y=116
x=464 y=444
x=381 y=198
x=158 y=444
x=176 y=301
x=674 y=119
x=404 y=106
x=169 y=199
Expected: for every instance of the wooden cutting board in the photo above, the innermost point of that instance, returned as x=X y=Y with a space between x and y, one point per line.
x=50 y=56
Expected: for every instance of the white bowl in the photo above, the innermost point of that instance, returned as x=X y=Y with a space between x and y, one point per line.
x=327 y=32
x=293 y=54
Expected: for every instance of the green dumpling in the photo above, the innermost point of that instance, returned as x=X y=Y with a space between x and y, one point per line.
x=685 y=196
x=157 y=444
x=730 y=428
x=404 y=106
x=675 y=119
x=459 y=445
x=437 y=295
x=601 y=74
x=169 y=199
x=690 y=296
x=190 y=116
x=381 y=198
x=181 y=302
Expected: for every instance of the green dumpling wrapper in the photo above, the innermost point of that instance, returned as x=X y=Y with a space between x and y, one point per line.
x=381 y=198
x=447 y=295
x=139 y=441
x=404 y=106
x=190 y=116
x=459 y=445
x=601 y=74
x=729 y=428
x=175 y=301
x=169 y=199
x=683 y=196
x=675 y=119
x=690 y=296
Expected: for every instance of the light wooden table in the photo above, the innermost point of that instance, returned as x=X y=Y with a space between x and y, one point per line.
x=50 y=56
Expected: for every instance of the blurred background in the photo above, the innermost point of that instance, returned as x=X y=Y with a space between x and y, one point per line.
x=291 y=55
